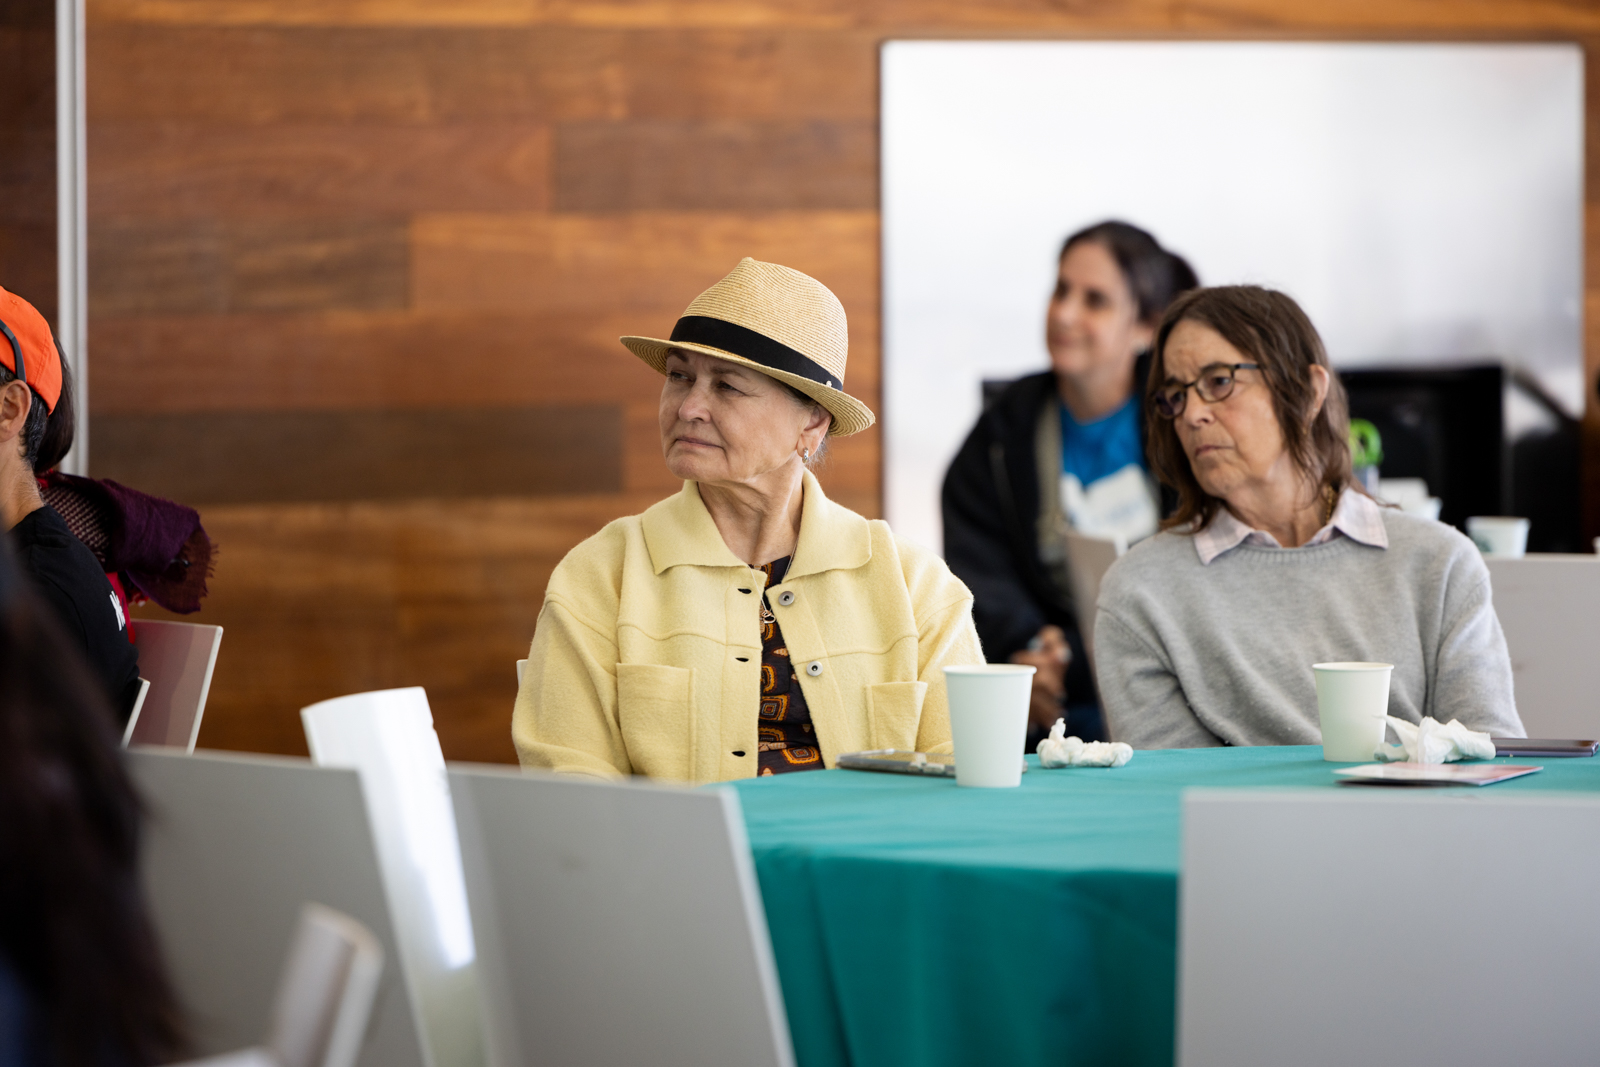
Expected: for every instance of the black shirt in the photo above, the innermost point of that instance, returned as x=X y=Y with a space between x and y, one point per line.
x=68 y=577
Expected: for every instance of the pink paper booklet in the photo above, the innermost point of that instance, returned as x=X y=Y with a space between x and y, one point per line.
x=1432 y=773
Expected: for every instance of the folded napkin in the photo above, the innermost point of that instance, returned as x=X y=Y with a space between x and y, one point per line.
x=1059 y=750
x=1434 y=742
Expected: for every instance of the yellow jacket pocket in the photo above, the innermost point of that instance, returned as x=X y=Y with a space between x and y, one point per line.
x=894 y=709
x=655 y=711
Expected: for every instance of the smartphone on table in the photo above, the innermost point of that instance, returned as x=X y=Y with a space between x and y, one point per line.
x=896 y=761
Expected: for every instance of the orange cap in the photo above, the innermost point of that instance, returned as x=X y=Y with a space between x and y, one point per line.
x=41 y=365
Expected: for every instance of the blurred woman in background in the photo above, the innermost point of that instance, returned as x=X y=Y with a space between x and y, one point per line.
x=1059 y=450
x=81 y=978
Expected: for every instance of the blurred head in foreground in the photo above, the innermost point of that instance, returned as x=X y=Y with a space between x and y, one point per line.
x=80 y=969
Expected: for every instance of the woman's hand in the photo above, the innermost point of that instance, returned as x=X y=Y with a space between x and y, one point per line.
x=1048 y=653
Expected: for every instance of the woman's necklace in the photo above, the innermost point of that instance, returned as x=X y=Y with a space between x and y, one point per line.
x=1330 y=500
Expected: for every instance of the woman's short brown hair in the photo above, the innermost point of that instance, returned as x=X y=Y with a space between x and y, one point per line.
x=1267 y=328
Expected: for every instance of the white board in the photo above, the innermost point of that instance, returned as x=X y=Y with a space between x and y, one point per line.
x=1423 y=202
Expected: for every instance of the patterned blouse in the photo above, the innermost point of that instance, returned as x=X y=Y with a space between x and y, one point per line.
x=788 y=740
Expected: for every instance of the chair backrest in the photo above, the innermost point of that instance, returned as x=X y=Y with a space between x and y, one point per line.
x=1334 y=927
x=1549 y=608
x=235 y=846
x=522 y=668
x=388 y=737
x=617 y=923
x=1088 y=559
x=325 y=991
x=133 y=716
x=177 y=659
x=245 y=1057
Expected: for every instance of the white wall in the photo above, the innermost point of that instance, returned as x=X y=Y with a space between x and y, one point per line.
x=1422 y=202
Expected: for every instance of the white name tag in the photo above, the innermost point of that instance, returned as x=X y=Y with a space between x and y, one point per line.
x=1125 y=504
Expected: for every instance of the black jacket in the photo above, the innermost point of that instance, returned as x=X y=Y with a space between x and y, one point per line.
x=991 y=510
x=66 y=575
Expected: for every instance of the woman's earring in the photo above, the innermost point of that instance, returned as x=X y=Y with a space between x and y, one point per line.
x=805 y=455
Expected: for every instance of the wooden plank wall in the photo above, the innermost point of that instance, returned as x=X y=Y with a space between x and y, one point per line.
x=357 y=269
x=28 y=151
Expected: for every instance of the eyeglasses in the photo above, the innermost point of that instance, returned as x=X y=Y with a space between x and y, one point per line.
x=1215 y=383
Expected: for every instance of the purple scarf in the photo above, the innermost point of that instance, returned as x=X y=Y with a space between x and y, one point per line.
x=156 y=546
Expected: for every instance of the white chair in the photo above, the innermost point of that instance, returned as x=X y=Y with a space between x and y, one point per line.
x=388 y=737
x=1549 y=608
x=522 y=668
x=325 y=995
x=235 y=846
x=175 y=663
x=1088 y=559
x=326 y=992
x=617 y=923
x=249 y=1057
x=1339 y=926
x=133 y=716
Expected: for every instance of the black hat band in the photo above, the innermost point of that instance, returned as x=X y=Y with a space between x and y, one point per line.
x=756 y=347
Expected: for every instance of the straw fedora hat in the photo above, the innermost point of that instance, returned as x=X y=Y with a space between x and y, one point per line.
x=775 y=320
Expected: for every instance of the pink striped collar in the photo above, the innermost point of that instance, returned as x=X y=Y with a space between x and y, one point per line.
x=1357 y=517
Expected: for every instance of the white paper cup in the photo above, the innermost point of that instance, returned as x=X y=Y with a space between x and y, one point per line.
x=989 y=722
x=1499 y=535
x=1352 y=700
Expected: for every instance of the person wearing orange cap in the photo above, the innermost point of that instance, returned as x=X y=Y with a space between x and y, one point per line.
x=36 y=416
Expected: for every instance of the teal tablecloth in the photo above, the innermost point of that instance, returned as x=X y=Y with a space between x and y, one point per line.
x=917 y=923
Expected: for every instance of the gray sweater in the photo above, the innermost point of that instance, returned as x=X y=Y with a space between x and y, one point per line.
x=1190 y=655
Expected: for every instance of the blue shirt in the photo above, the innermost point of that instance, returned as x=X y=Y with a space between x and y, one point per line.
x=1092 y=450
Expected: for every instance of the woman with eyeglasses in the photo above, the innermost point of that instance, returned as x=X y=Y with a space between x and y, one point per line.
x=1275 y=558
x=1063 y=450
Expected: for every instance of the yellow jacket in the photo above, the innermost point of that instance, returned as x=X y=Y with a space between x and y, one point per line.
x=647 y=656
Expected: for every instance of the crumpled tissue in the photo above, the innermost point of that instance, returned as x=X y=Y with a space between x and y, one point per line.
x=1059 y=750
x=1432 y=741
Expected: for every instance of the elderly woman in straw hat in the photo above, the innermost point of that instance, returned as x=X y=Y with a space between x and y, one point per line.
x=747 y=625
